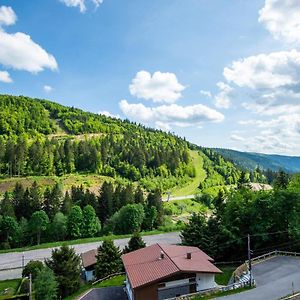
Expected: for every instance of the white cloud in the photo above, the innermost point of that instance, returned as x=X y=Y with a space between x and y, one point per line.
x=108 y=114
x=206 y=93
x=81 y=4
x=5 y=77
x=19 y=51
x=7 y=16
x=48 y=88
x=277 y=69
x=223 y=98
x=159 y=87
x=282 y=19
x=237 y=138
x=166 y=115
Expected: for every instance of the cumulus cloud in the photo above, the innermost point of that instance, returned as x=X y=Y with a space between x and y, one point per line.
x=108 y=114
x=47 y=88
x=207 y=94
x=282 y=19
x=277 y=69
x=159 y=87
x=7 y=16
x=19 y=51
x=165 y=116
x=5 y=77
x=223 y=98
x=81 y=4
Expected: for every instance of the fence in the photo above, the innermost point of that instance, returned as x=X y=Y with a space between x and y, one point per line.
x=212 y=291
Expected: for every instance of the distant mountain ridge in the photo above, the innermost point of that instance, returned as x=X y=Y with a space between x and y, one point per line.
x=250 y=160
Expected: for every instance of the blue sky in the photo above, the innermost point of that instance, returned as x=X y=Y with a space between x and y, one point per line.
x=222 y=74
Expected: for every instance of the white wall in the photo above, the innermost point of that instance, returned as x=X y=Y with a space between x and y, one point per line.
x=129 y=289
x=205 y=281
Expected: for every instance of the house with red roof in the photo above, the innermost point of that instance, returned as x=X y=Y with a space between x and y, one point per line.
x=164 y=271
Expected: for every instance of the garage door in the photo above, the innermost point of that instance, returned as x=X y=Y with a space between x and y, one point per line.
x=167 y=293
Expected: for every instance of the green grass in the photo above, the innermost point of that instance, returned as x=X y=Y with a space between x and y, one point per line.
x=115 y=281
x=192 y=187
x=88 y=240
x=186 y=206
x=10 y=286
x=222 y=294
x=223 y=279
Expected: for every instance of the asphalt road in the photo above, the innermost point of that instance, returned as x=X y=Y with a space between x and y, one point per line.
x=14 y=259
x=274 y=278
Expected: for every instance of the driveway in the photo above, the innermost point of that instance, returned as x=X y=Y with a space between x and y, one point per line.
x=13 y=260
x=109 y=293
x=274 y=278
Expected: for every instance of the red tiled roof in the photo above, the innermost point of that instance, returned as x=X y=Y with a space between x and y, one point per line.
x=145 y=265
x=89 y=258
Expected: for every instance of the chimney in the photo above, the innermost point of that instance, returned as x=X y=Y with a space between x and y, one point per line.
x=162 y=255
x=189 y=255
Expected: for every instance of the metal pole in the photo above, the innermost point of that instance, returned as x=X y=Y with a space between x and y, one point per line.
x=30 y=286
x=23 y=260
x=249 y=260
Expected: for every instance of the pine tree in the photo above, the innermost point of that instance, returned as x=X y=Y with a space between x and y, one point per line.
x=136 y=242
x=74 y=223
x=91 y=224
x=45 y=285
x=6 y=206
x=18 y=201
x=105 y=202
x=139 y=196
x=65 y=264
x=108 y=259
x=67 y=204
x=34 y=203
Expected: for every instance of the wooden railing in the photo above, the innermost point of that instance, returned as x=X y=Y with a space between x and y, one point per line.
x=271 y=254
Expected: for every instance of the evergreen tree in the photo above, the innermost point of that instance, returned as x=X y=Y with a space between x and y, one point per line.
x=65 y=264
x=136 y=242
x=34 y=203
x=18 y=201
x=281 y=180
x=139 y=196
x=38 y=224
x=91 y=224
x=154 y=199
x=67 y=204
x=58 y=228
x=74 y=223
x=8 y=229
x=105 y=201
x=243 y=180
x=108 y=259
x=45 y=285
x=6 y=206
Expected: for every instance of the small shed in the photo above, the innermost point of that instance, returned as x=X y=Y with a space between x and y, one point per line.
x=89 y=260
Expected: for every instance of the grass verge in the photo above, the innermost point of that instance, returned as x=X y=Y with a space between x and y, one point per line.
x=223 y=279
x=89 y=240
x=8 y=288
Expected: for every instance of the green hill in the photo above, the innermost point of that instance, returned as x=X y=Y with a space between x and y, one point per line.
x=250 y=161
x=41 y=139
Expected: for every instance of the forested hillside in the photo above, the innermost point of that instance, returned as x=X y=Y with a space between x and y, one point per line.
x=43 y=138
x=250 y=161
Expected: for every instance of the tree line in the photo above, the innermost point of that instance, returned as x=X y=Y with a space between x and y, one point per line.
x=30 y=216
x=272 y=219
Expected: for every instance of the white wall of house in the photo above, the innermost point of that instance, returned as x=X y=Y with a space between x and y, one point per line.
x=205 y=281
x=89 y=275
x=128 y=289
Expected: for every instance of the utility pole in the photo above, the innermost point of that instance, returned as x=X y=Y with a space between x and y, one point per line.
x=249 y=260
x=30 y=286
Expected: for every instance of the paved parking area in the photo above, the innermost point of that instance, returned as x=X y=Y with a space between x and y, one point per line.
x=109 y=293
x=275 y=278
